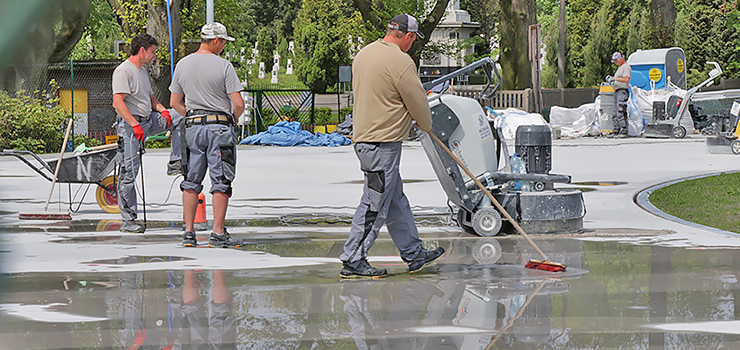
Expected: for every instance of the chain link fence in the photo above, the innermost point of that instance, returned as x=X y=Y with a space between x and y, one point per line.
x=55 y=87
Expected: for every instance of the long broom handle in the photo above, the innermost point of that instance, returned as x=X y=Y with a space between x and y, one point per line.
x=490 y=196
x=59 y=163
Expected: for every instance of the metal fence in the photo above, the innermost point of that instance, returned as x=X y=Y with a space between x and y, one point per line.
x=271 y=106
x=522 y=99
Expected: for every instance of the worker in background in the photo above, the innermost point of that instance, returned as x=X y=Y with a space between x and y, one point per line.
x=211 y=92
x=388 y=96
x=140 y=115
x=620 y=81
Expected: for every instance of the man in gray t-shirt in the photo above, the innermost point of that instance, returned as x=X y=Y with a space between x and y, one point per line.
x=206 y=89
x=141 y=115
x=620 y=81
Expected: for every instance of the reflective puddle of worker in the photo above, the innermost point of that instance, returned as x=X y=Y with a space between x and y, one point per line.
x=619 y=291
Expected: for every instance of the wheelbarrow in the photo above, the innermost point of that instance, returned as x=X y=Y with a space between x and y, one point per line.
x=94 y=167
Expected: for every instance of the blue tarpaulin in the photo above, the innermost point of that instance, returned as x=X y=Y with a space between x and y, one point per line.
x=290 y=134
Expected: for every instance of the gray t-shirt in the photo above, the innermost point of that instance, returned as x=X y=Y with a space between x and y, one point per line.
x=134 y=82
x=206 y=80
x=623 y=71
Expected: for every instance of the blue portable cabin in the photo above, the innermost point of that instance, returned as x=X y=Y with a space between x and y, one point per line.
x=657 y=64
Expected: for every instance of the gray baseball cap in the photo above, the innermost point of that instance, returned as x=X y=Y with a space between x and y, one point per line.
x=406 y=23
x=615 y=56
x=214 y=30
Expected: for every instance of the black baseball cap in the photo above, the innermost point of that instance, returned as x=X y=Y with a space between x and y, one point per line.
x=406 y=23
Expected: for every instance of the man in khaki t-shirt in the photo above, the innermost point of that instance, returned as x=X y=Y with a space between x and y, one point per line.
x=388 y=96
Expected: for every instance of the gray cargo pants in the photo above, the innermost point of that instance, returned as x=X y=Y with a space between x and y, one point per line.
x=382 y=202
x=210 y=147
x=619 y=120
x=128 y=148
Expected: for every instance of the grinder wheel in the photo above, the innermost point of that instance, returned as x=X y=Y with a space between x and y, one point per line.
x=487 y=251
x=487 y=222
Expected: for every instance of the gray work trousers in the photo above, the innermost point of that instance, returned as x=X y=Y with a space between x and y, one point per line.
x=382 y=202
x=128 y=148
x=619 y=120
x=210 y=147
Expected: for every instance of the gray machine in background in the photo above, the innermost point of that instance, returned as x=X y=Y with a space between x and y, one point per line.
x=462 y=125
x=727 y=132
x=667 y=116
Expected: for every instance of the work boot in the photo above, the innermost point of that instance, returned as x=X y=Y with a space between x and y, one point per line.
x=131 y=226
x=363 y=270
x=224 y=240
x=188 y=239
x=622 y=136
x=424 y=257
x=174 y=168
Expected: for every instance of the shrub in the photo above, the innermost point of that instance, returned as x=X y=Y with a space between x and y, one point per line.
x=88 y=141
x=322 y=115
x=343 y=112
x=33 y=123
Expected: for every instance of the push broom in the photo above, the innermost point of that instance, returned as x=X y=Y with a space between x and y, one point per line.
x=47 y=215
x=544 y=264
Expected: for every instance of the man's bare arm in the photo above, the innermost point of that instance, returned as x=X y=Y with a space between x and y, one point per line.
x=122 y=110
x=176 y=101
x=238 y=102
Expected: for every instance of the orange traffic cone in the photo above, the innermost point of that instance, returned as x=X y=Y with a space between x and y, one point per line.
x=200 y=222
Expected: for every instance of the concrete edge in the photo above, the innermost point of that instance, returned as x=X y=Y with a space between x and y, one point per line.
x=642 y=200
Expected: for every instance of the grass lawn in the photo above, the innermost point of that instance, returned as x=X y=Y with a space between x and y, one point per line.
x=711 y=201
x=285 y=82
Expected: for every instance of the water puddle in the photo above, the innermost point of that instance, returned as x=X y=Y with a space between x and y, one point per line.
x=135 y=259
x=630 y=296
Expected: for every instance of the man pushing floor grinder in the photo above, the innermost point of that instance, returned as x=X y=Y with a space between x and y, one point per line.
x=466 y=151
x=388 y=96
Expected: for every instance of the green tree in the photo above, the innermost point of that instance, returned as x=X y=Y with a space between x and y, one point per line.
x=708 y=30
x=101 y=31
x=598 y=51
x=42 y=33
x=377 y=14
x=321 y=45
x=516 y=16
x=266 y=47
x=487 y=13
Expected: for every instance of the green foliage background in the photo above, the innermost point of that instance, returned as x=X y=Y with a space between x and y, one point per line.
x=32 y=122
x=707 y=30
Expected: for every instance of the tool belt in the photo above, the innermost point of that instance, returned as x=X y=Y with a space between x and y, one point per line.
x=139 y=118
x=205 y=117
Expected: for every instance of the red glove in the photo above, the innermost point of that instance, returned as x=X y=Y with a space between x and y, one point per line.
x=140 y=337
x=138 y=132
x=166 y=114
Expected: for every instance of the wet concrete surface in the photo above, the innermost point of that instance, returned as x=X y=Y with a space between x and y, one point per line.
x=634 y=280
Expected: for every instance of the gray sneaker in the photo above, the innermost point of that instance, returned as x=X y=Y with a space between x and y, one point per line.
x=363 y=270
x=424 y=257
x=224 y=240
x=131 y=226
x=188 y=239
x=174 y=168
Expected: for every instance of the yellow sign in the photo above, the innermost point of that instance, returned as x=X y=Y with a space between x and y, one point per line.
x=65 y=100
x=655 y=74
x=679 y=65
x=111 y=139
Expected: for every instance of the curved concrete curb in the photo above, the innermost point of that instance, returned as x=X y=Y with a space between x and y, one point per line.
x=642 y=199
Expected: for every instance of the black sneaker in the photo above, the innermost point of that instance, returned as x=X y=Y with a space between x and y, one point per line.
x=131 y=226
x=363 y=270
x=188 y=239
x=424 y=257
x=224 y=240
x=174 y=168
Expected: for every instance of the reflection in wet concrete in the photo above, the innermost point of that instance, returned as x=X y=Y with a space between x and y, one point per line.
x=612 y=296
x=136 y=259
